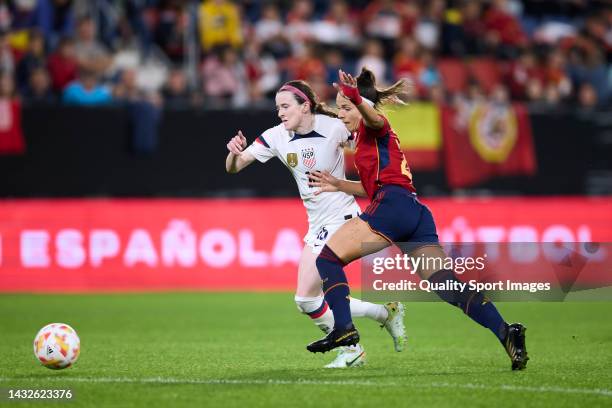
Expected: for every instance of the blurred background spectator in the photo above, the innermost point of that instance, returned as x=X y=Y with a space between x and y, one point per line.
x=215 y=53
x=38 y=88
x=11 y=135
x=87 y=90
x=220 y=24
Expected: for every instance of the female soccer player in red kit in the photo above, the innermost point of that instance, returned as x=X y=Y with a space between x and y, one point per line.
x=394 y=215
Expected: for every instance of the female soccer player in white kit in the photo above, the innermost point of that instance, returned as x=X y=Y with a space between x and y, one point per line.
x=311 y=138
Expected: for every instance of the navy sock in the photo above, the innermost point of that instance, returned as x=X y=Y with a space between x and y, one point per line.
x=335 y=287
x=474 y=304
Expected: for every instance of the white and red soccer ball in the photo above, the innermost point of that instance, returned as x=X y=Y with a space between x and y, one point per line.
x=57 y=346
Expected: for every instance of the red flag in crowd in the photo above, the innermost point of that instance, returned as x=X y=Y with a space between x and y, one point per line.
x=11 y=136
x=486 y=140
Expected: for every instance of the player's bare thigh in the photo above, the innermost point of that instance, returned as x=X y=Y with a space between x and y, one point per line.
x=348 y=240
x=308 y=280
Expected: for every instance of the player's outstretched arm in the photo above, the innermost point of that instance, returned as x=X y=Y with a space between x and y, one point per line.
x=328 y=183
x=348 y=88
x=237 y=159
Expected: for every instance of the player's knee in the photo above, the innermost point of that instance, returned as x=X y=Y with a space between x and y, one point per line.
x=326 y=259
x=308 y=305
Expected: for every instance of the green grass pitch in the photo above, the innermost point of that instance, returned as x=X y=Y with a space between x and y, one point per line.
x=248 y=350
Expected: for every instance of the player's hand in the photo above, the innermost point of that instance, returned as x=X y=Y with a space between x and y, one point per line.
x=237 y=144
x=348 y=87
x=324 y=180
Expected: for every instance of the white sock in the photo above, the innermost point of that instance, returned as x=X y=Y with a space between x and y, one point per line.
x=317 y=309
x=373 y=311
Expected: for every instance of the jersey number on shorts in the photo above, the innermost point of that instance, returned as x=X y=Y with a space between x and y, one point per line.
x=322 y=234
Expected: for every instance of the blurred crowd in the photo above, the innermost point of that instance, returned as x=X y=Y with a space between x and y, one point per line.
x=222 y=53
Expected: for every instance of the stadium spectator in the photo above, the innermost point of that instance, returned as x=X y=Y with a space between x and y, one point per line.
x=463 y=30
x=140 y=16
x=334 y=60
x=525 y=77
x=500 y=97
x=39 y=89
x=126 y=89
x=270 y=27
x=465 y=102
x=599 y=31
x=504 y=34
x=129 y=88
x=545 y=54
x=299 y=25
x=338 y=28
x=555 y=77
x=373 y=59
x=7 y=55
x=11 y=135
x=269 y=31
x=474 y=28
x=587 y=66
x=33 y=58
x=429 y=76
x=21 y=20
x=406 y=62
x=55 y=19
x=220 y=24
x=176 y=92
x=224 y=77
x=90 y=53
x=321 y=87
x=427 y=28
x=382 y=20
x=144 y=109
x=307 y=63
x=587 y=96
x=62 y=64
x=86 y=90
x=262 y=73
x=152 y=65
x=171 y=29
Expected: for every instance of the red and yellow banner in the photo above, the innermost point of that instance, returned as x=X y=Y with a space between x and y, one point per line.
x=418 y=128
x=486 y=140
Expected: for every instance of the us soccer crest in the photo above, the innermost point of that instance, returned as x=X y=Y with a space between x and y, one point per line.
x=493 y=132
x=292 y=159
x=308 y=157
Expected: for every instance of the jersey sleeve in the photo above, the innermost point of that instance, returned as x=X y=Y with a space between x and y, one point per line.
x=261 y=148
x=374 y=133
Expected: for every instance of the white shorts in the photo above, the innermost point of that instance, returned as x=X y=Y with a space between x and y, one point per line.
x=318 y=235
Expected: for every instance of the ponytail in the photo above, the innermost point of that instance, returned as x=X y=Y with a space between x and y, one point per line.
x=366 y=83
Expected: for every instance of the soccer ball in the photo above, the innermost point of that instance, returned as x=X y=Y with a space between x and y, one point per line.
x=57 y=346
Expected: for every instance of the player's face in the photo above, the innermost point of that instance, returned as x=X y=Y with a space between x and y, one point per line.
x=348 y=113
x=289 y=111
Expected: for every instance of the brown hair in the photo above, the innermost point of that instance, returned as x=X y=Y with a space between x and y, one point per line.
x=316 y=106
x=366 y=83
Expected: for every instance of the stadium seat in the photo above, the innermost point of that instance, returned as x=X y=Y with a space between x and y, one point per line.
x=454 y=74
x=486 y=71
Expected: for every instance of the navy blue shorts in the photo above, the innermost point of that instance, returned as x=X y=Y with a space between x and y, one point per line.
x=397 y=214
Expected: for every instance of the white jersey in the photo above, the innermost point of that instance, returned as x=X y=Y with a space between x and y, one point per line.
x=321 y=149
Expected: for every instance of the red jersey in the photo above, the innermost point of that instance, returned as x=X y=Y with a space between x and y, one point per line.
x=380 y=160
x=11 y=136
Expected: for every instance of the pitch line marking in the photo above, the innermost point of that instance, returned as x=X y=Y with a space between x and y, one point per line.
x=223 y=381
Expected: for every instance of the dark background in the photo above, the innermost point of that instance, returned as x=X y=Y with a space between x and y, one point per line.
x=88 y=153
